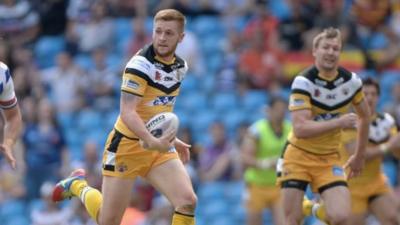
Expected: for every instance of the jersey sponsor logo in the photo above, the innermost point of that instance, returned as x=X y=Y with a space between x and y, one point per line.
x=330 y=96
x=158 y=76
x=337 y=171
x=168 y=78
x=142 y=63
x=345 y=91
x=163 y=100
x=317 y=93
x=296 y=102
x=326 y=116
x=321 y=83
x=338 y=81
x=158 y=65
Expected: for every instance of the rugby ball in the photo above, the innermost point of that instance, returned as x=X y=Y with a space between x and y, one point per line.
x=160 y=124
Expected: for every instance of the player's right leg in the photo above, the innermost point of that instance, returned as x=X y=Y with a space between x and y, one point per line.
x=76 y=186
x=116 y=196
x=337 y=203
x=255 y=204
x=293 y=180
x=291 y=201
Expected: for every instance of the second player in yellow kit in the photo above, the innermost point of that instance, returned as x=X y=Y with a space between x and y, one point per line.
x=371 y=192
x=320 y=99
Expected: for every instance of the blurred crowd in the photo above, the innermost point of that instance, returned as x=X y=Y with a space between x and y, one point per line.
x=67 y=58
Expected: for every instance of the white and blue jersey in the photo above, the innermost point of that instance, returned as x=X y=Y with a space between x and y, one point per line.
x=7 y=94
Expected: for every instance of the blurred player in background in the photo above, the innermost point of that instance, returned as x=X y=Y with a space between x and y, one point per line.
x=320 y=99
x=11 y=120
x=260 y=151
x=150 y=85
x=370 y=192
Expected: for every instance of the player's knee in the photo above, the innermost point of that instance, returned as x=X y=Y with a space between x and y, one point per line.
x=187 y=203
x=338 y=217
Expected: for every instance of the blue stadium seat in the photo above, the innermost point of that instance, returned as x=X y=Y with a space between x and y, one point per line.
x=20 y=219
x=254 y=100
x=215 y=209
x=239 y=212
x=99 y=136
x=279 y=9
x=47 y=48
x=73 y=137
x=200 y=122
x=207 y=84
x=234 y=191
x=224 y=102
x=378 y=41
x=110 y=118
x=11 y=209
x=183 y=117
x=214 y=61
x=65 y=119
x=84 y=61
x=211 y=190
x=89 y=120
x=192 y=102
x=390 y=169
x=115 y=63
x=206 y=25
x=189 y=84
x=210 y=45
x=232 y=119
x=223 y=220
x=123 y=29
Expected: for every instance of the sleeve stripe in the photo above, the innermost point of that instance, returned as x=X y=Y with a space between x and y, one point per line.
x=300 y=91
x=138 y=73
x=132 y=93
x=8 y=104
x=355 y=93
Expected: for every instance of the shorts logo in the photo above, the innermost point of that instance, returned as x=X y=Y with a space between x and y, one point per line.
x=337 y=171
x=122 y=167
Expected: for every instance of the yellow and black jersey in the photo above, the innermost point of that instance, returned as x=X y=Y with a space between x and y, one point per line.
x=156 y=81
x=381 y=128
x=327 y=99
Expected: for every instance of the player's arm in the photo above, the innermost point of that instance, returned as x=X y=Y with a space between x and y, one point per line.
x=249 y=150
x=370 y=152
x=356 y=161
x=131 y=118
x=13 y=125
x=305 y=127
x=11 y=128
x=363 y=113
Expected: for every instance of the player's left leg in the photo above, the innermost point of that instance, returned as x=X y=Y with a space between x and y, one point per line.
x=337 y=204
x=172 y=180
x=277 y=213
x=385 y=207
